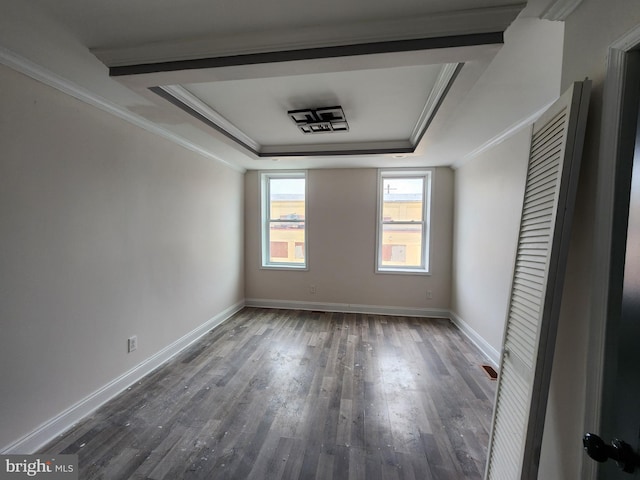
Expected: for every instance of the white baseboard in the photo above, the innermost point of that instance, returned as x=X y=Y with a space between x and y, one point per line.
x=487 y=350
x=491 y=353
x=46 y=432
x=348 y=308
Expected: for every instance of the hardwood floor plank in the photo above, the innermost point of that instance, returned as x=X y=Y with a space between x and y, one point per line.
x=283 y=394
x=271 y=459
x=325 y=466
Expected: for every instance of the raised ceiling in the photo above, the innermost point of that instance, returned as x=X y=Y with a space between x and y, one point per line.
x=390 y=79
x=386 y=110
x=221 y=76
x=126 y=24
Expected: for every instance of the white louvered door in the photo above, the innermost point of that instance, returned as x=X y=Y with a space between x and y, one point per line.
x=543 y=241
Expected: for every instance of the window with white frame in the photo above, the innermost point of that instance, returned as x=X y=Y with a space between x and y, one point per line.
x=284 y=212
x=404 y=203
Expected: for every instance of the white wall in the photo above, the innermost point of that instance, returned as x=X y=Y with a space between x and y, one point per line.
x=488 y=205
x=341 y=239
x=106 y=231
x=523 y=78
x=589 y=32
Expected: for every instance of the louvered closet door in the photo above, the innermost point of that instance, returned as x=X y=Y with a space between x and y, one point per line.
x=543 y=241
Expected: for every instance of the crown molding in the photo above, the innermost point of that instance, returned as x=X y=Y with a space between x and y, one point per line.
x=184 y=96
x=43 y=75
x=559 y=10
x=444 y=81
x=209 y=117
x=501 y=137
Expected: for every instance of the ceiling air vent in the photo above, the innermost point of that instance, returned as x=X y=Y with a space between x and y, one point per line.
x=320 y=120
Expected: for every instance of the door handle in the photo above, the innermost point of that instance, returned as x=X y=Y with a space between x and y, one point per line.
x=619 y=451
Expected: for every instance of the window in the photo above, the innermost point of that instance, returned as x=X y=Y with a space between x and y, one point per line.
x=403 y=221
x=284 y=214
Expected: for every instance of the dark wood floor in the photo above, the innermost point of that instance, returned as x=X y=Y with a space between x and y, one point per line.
x=276 y=394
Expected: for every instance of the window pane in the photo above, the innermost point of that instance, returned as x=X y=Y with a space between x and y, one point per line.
x=402 y=245
x=402 y=199
x=283 y=219
x=279 y=249
x=286 y=242
x=286 y=198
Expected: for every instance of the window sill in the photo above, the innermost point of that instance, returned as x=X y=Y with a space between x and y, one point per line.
x=301 y=268
x=400 y=271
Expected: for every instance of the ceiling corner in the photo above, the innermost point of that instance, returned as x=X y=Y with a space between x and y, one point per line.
x=559 y=10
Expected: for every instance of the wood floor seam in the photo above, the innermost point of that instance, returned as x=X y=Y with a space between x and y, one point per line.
x=292 y=394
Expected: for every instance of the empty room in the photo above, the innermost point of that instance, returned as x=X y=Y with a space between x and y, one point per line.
x=343 y=240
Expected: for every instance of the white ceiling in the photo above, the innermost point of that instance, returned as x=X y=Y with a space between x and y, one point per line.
x=382 y=103
x=384 y=93
x=123 y=23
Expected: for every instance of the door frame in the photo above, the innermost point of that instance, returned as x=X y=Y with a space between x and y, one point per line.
x=615 y=154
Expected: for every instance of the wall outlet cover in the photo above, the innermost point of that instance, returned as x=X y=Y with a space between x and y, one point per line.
x=132 y=343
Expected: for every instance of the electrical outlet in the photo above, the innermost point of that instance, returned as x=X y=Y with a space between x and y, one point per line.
x=312 y=289
x=429 y=294
x=132 y=343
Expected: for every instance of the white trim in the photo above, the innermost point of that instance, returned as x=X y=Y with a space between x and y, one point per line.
x=605 y=194
x=559 y=10
x=348 y=308
x=426 y=174
x=60 y=423
x=265 y=203
x=491 y=353
x=43 y=75
x=190 y=100
x=474 y=337
x=501 y=137
x=447 y=72
x=627 y=42
x=605 y=199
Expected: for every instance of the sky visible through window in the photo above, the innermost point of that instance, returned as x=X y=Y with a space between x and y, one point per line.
x=403 y=186
x=285 y=232
x=402 y=229
x=287 y=185
x=393 y=185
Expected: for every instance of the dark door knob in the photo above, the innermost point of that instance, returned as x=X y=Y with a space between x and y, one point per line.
x=619 y=451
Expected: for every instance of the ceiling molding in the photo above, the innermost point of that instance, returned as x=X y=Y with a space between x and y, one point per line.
x=360 y=59
x=202 y=116
x=370 y=148
x=194 y=104
x=47 y=77
x=443 y=83
x=201 y=111
x=464 y=22
x=559 y=10
x=501 y=137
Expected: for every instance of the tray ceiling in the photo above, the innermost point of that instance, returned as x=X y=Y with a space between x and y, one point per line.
x=389 y=92
x=387 y=110
x=222 y=82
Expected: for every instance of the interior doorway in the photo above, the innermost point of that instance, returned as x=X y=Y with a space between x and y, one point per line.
x=612 y=409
